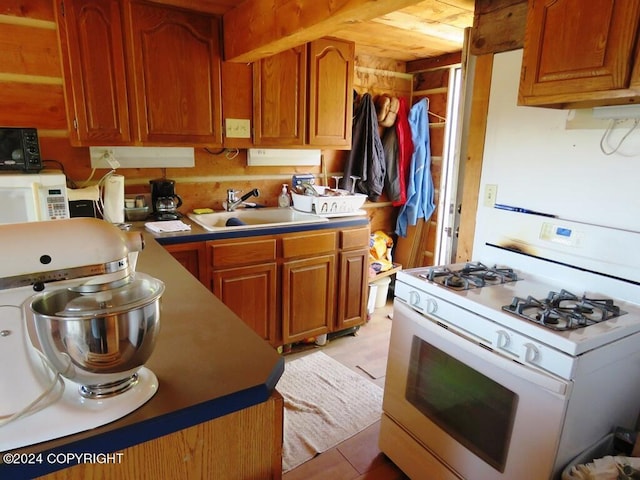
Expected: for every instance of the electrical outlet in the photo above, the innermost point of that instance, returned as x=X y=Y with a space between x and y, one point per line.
x=237 y=128
x=109 y=157
x=490 y=194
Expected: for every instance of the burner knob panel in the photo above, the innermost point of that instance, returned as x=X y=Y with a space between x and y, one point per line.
x=422 y=302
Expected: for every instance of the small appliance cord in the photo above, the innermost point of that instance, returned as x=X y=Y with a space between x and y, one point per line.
x=34 y=406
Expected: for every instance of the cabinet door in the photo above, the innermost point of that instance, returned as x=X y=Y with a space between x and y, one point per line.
x=250 y=292
x=331 y=64
x=580 y=59
x=307 y=297
x=175 y=71
x=91 y=45
x=352 y=289
x=279 y=98
x=237 y=101
x=192 y=256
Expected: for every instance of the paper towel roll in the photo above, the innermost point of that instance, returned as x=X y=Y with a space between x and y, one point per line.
x=114 y=199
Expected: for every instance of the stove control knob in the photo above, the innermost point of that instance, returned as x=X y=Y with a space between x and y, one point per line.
x=432 y=306
x=414 y=298
x=503 y=340
x=531 y=353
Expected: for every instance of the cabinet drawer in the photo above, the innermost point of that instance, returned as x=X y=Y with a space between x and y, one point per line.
x=356 y=238
x=316 y=243
x=242 y=253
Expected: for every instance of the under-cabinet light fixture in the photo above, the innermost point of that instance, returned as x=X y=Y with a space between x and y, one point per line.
x=617 y=112
x=142 y=157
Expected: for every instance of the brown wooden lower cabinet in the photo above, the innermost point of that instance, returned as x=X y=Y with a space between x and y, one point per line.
x=241 y=445
x=308 y=287
x=192 y=256
x=251 y=293
x=287 y=287
x=352 y=288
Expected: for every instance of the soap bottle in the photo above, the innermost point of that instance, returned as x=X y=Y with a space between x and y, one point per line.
x=283 y=199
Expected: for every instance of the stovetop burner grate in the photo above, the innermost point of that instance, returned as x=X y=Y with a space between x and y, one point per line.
x=471 y=275
x=563 y=310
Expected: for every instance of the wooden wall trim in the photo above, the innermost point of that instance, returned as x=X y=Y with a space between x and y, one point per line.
x=388 y=73
x=443 y=61
x=498 y=26
x=475 y=152
x=27 y=22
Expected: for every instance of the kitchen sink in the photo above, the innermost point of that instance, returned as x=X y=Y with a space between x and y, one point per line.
x=252 y=218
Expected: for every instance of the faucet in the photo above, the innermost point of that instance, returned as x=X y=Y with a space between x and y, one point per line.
x=233 y=201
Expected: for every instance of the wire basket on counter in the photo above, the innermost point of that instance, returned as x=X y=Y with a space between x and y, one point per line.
x=328 y=201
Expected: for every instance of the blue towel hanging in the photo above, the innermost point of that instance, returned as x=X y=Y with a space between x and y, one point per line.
x=420 y=190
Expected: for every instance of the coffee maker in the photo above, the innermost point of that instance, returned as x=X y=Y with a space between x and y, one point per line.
x=164 y=199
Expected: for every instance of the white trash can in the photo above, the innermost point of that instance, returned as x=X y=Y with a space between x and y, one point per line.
x=382 y=291
x=371 y=303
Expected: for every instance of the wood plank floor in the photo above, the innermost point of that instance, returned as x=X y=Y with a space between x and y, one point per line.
x=357 y=458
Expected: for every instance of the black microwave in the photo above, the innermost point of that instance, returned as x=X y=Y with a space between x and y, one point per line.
x=19 y=149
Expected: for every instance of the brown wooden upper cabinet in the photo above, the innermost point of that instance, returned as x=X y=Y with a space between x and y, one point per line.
x=580 y=54
x=91 y=40
x=304 y=96
x=140 y=73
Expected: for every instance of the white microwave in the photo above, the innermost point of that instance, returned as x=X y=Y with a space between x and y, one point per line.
x=33 y=197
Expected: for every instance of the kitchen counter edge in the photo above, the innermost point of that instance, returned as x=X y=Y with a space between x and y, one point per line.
x=199 y=234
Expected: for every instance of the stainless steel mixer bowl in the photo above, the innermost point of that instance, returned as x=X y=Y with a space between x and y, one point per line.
x=100 y=339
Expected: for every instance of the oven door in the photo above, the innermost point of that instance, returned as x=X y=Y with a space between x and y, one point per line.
x=480 y=414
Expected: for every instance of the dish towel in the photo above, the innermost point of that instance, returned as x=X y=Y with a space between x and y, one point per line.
x=167 y=227
x=420 y=184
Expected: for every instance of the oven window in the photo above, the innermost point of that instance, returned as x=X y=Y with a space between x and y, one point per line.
x=469 y=406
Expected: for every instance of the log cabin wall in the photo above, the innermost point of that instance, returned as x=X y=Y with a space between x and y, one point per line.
x=32 y=95
x=32 y=85
x=377 y=76
x=31 y=81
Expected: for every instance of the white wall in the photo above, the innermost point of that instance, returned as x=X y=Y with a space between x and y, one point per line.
x=539 y=164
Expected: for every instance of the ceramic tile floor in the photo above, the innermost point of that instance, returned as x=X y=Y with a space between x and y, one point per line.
x=357 y=458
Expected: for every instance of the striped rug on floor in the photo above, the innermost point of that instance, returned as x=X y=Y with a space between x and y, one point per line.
x=325 y=404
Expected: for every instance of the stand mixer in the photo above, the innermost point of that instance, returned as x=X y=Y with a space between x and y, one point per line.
x=77 y=324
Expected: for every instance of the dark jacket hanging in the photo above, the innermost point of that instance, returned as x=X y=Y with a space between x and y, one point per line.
x=366 y=158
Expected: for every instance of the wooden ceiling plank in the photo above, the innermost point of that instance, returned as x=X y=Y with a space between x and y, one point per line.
x=385 y=36
x=259 y=28
x=404 y=21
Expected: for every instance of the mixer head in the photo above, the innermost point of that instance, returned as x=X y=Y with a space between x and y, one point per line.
x=42 y=252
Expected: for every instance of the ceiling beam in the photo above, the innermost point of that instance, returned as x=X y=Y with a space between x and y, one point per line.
x=259 y=28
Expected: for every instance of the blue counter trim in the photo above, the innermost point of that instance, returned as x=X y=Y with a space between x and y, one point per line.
x=116 y=440
x=204 y=235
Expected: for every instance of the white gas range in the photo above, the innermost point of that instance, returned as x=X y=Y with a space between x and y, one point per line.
x=534 y=348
